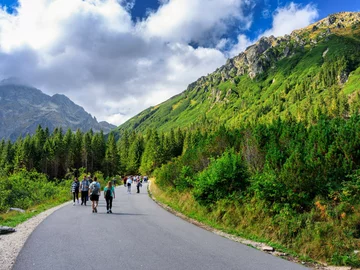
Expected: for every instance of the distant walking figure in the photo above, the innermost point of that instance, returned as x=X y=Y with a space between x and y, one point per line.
x=128 y=183
x=89 y=179
x=138 y=185
x=84 y=187
x=124 y=179
x=109 y=192
x=95 y=192
x=75 y=190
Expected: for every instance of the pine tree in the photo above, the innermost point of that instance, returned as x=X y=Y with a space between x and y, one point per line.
x=19 y=154
x=111 y=156
x=28 y=152
x=135 y=153
x=153 y=153
x=124 y=146
x=68 y=150
x=47 y=157
x=7 y=157
x=98 y=146
x=57 y=163
x=78 y=149
x=87 y=152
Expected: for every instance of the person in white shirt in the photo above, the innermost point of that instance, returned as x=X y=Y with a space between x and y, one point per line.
x=128 y=183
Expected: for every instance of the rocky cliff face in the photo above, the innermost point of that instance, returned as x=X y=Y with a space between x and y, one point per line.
x=268 y=50
x=23 y=108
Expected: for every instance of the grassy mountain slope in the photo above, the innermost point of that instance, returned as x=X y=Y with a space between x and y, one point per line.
x=312 y=71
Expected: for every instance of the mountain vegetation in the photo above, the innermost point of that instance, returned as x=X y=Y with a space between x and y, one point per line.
x=23 y=108
x=311 y=72
x=267 y=146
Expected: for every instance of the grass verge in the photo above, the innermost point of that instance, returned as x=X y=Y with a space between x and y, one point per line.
x=251 y=223
x=14 y=218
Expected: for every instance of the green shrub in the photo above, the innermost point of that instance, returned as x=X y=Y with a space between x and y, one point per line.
x=223 y=177
x=26 y=189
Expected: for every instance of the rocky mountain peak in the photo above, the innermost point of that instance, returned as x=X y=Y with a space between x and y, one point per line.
x=260 y=56
x=331 y=24
x=23 y=108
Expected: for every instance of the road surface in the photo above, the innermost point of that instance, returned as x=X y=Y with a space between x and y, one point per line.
x=138 y=235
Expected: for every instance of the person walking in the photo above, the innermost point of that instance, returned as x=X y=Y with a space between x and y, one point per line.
x=89 y=178
x=75 y=190
x=84 y=187
x=128 y=183
x=138 y=185
x=109 y=192
x=95 y=193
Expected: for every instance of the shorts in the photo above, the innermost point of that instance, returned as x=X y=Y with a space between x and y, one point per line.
x=94 y=197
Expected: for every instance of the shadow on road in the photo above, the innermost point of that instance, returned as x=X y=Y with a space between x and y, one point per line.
x=121 y=214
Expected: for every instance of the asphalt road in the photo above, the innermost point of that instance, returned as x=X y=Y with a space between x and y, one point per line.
x=138 y=235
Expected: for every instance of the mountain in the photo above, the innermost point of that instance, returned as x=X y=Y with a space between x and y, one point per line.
x=23 y=108
x=312 y=71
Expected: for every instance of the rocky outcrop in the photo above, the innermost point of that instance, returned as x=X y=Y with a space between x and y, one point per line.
x=6 y=230
x=23 y=108
x=261 y=56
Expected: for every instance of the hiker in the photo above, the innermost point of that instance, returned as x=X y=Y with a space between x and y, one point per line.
x=75 y=190
x=138 y=185
x=109 y=194
x=89 y=179
x=128 y=183
x=124 y=179
x=95 y=192
x=84 y=187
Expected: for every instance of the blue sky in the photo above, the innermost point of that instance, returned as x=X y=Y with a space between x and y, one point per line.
x=118 y=57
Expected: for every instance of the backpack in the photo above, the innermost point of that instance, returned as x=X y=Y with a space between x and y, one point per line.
x=95 y=189
x=108 y=193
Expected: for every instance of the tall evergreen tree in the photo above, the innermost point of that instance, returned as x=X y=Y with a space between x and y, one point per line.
x=153 y=154
x=68 y=150
x=111 y=156
x=98 y=146
x=124 y=146
x=87 y=152
x=135 y=153
x=78 y=149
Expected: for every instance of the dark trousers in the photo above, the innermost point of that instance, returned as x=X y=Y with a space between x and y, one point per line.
x=138 y=188
x=76 y=195
x=109 y=203
x=84 y=195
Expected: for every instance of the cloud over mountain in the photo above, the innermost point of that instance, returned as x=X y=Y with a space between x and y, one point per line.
x=93 y=52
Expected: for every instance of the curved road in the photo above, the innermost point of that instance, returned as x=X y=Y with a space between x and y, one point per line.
x=138 y=235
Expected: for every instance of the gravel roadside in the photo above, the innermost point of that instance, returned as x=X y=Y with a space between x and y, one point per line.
x=11 y=244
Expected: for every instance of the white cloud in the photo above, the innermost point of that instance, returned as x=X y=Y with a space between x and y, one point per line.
x=92 y=51
x=291 y=17
x=285 y=20
x=196 y=20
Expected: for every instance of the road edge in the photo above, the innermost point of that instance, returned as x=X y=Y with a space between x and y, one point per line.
x=11 y=244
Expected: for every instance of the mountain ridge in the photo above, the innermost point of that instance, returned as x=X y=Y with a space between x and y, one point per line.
x=274 y=72
x=23 y=108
